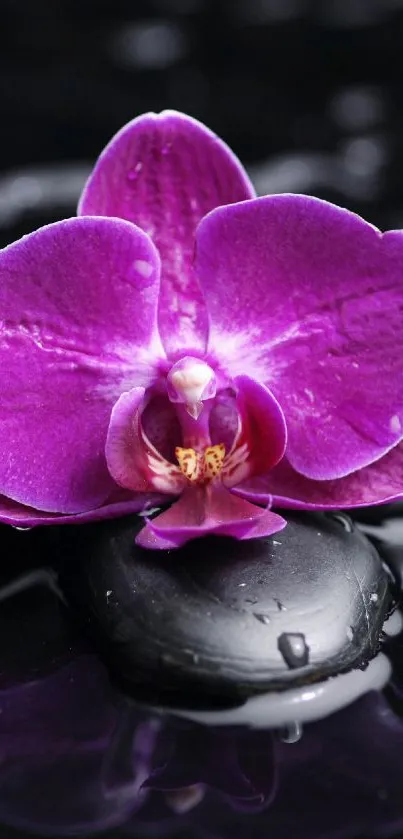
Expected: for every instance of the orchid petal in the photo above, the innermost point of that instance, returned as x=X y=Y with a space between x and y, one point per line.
x=161 y=426
x=133 y=461
x=120 y=503
x=224 y=419
x=374 y=484
x=70 y=341
x=262 y=436
x=200 y=513
x=165 y=172
x=308 y=298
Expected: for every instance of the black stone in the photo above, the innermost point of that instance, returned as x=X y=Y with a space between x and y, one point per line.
x=228 y=618
x=384 y=526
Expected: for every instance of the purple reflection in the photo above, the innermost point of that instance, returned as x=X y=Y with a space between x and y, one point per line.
x=77 y=758
x=343 y=779
x=58 y=737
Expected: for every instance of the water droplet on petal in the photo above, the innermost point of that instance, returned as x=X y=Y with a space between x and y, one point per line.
x=133 y=173
x=144 y=272
x=395 y=424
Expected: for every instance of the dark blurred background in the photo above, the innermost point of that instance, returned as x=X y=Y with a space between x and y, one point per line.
x=309 y=94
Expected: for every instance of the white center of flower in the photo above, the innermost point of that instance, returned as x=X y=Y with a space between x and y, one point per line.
x=190 y=381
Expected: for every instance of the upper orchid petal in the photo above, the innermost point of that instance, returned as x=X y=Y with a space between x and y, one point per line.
x=71 y=340
x=261 y=439
x=165 y=172
x=308 y=298
x=375 y=484
x=132 y=460
x=200 y=513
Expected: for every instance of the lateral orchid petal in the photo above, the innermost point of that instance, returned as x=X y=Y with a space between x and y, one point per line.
x=133 y=461
x=261 y=439
x=309 y=297
x=377 y=483
x=120 y=503
x=69 y=296
x=165 y=172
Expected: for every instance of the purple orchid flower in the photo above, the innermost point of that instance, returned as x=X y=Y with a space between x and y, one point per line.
x=183 y=338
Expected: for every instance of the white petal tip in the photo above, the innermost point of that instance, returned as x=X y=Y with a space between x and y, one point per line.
x=194 y=409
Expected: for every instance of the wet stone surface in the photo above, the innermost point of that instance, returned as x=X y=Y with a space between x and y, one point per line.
x=229 y=619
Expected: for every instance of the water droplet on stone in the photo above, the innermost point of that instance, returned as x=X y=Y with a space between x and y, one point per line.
x=148 y=513
x=292 y=733
x=344 y=520
x=184 y=799
x=294 y=649
x=262 y=618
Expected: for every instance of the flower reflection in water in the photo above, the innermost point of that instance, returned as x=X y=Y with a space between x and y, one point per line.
x=78 y=757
